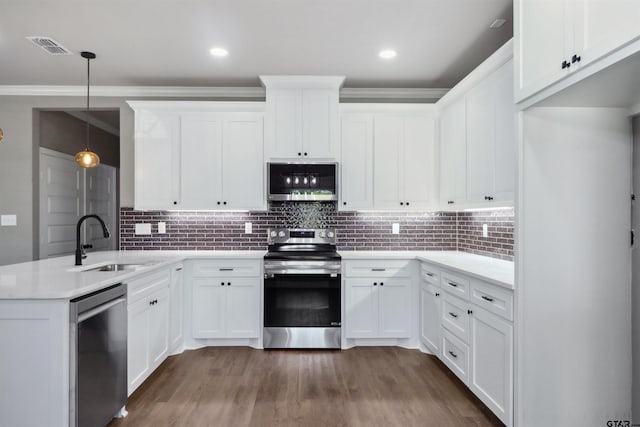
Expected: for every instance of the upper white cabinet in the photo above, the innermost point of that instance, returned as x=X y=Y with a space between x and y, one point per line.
x=477 y=136
x=199 y=155
x=302 y=117
x=389 y=157
x=554 y=38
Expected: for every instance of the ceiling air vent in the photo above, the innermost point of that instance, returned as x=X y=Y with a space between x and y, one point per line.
x=50 y=45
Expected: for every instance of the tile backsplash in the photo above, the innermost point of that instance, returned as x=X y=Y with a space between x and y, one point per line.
x=187 y=230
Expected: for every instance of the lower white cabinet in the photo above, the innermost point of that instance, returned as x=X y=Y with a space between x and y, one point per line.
x=176 y=307
x=491 y=357
x=378 y=308
x=226 y=299
x=430 y=311
x=147 y=325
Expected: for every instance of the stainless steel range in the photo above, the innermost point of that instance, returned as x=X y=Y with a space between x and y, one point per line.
x=302 y=290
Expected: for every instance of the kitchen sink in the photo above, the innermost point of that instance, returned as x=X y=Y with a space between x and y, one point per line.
x=116 y=267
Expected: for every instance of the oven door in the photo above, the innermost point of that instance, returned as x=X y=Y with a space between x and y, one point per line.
x=302 y=300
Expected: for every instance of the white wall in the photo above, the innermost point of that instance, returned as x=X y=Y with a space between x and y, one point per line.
x=574 y=274
x=636 y=272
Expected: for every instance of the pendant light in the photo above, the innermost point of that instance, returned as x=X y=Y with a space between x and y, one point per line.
x=87 y=158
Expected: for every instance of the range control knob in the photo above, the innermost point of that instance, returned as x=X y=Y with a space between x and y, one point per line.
x=330 y=234
x=281 y=233
x=274 y=233
x=322 y=234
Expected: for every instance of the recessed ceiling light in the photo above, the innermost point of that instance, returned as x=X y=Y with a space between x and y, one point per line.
x=219 y=52
x=387 y=54
x=497 y=23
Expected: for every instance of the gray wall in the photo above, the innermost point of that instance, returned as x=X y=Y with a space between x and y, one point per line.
x=64 y=133
x=636 y=272
x=19 y=160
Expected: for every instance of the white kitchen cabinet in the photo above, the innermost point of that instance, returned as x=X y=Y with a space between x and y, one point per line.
x=356 y=162
x=557 y=37
x=157 y=172
x=302 y=118
x=491 y=138
x=378 y=308
x=176 y=307
x=197 y=156
x=404 y=161
x=225 y=299
x=453 y=154
x=491 y=379
x=430 y=312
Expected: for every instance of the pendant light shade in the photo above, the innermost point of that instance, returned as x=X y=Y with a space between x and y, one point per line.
x=87 y=158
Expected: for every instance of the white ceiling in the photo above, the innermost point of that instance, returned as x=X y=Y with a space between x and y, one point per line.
x=167 y=42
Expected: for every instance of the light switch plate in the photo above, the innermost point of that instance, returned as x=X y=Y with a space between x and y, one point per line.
x=162 y=228
x=248 y=228
x=395 y=228
x=143 y=228
x=8 y=220
x=485 y=230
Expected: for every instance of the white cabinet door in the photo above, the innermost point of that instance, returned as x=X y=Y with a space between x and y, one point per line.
x=243 y=162
x=541 y=29
x=242 y=307
x=394 y=302
x=319 y=123
x=176 y=304
x=419 y=164
x=356 y=162
x=604 y=25
x=480 y=140
x=200 y=158
x=492 y=362
x=138 y=326
x=159 y=327
x=430 y=310
x=453 y=154
x=504 y=149
x=361 y=312
x=208 y=317
x=156 y=160
x=284 y=123
x=388 y=139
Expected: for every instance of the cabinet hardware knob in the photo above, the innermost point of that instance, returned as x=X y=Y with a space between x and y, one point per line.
x=487 y=298
x=381 y=283
x=450 y=202
x=218 y=202
x=453 y=354
x=407 y=203
x=437 y=294
x=175 y=203
x=221 y=283
x=375 y=283
x=469 y=311
x=224 y=203
x=401 y=203
x=565 y=64
x=344 y=203
x=575 y=58
x=455 y=316
x=228 y=283
x=299 y=154
x=305 y=154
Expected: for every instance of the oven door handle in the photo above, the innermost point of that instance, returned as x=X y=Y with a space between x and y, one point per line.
x=288 y=272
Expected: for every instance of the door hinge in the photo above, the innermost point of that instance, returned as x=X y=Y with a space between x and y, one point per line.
x=633 y=197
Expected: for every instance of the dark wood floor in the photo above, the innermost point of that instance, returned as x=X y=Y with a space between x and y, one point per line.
x=363 y=386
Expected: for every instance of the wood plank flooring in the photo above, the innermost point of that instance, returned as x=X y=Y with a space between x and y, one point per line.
x=362 y=386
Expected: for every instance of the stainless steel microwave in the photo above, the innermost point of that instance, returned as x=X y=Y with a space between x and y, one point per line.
x=302 y=181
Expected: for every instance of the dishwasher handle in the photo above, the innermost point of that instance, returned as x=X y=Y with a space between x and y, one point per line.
x=95 y=311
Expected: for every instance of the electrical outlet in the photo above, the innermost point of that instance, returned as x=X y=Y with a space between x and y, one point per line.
x=162 y=228
x=395 y=228
x=248 y=228
x=8 y=220
x=485 y=230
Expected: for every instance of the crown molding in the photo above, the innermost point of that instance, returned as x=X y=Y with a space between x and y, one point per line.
x=212 y=92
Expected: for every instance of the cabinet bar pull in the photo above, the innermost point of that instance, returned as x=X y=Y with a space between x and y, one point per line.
x=226 y=269
x=179 y=269
x=487 y=298
x=455 y=316
x=455 y=285
x=453 y=354
x=378 y=269
x=429 y=274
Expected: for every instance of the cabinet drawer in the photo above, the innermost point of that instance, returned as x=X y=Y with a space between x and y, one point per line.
x=144 y=286
x=430 y=274
x=226 y=268
x=455 y=316
x=373 y=268
x=455 y=284
x=455 y=354
x=492 y=298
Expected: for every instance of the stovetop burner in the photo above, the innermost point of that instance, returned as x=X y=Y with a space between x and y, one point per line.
x=302 y=244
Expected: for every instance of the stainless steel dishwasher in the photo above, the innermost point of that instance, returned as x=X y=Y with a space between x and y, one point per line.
x=98 y=357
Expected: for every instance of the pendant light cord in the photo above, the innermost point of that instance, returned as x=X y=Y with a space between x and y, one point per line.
x=88 y=116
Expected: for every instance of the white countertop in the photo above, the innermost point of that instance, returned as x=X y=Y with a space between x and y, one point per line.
x=492 y=270
x=59 y=278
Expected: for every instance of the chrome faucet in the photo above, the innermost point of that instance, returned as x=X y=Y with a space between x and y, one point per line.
x=80 y=255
